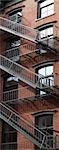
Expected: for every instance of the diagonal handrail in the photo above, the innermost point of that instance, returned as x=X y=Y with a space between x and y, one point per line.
x=15 y=119
x=18 y=70
x=23 y=73
x=18 y=29
x=45 y=140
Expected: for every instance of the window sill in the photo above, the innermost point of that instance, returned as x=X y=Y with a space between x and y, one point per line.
x=44 y=17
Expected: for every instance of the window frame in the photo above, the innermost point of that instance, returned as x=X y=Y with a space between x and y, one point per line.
x=46 y=29
x=45 y=115
x=39 y=9
x=14 y=13
x=48 y=129
x=40 y=92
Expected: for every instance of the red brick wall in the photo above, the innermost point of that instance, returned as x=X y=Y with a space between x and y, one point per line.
x=27 y=109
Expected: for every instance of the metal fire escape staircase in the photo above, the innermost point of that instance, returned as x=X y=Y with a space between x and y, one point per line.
x=34 y=134
x=18 y=29
x=17 y=70
x=25 y=75
x=13 y=68
x=21 y=125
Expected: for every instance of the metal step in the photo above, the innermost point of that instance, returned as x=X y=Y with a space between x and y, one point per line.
x=21 y=125
x=24 y=74
x=18 y=29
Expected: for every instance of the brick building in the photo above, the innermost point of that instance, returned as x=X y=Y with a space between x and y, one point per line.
x=29 y=75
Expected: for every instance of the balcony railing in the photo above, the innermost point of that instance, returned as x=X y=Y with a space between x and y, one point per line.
x=12 y=53
x=9 y=146
x=49 y=82
x=25 y=94
x=19 y=51
x=53 y=141
x=18 y=94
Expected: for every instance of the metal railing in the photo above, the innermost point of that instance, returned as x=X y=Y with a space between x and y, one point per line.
x=23 y=73
x=49 y=83
x=57 y=141
x=9 y=146
x=19 y=51
x=52 y=141
x=18 y=70
x=17 y=94
x=12 y=53
x=17 y=122
x=18 y=29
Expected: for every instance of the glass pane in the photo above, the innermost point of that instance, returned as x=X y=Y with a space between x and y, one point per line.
x=42 y=71
x=41 y=121
x=46 y=32
x=43 y=33
x=50 y=9
x=49 y=121
x=44 y=12
x=49 y=70
x=44 y=121
x=46 y=2
x=43 y=3
x=50 y=31
x=50 y=1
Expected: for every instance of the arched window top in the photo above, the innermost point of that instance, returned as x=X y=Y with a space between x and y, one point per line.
x=46 y=71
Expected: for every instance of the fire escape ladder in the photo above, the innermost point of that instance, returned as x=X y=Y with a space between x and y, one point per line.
x=21 y=125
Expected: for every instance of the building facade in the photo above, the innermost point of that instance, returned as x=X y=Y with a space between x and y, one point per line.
x=29 y=75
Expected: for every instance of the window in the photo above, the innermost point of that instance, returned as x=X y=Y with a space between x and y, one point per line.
x=46 y=32
x=9 y=138
x=45 y=8
x=45 y=123
x=47 y=72
x=48 y=80
x=16 y=16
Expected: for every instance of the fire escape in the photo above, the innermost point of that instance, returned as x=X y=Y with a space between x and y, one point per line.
x=33 y=80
